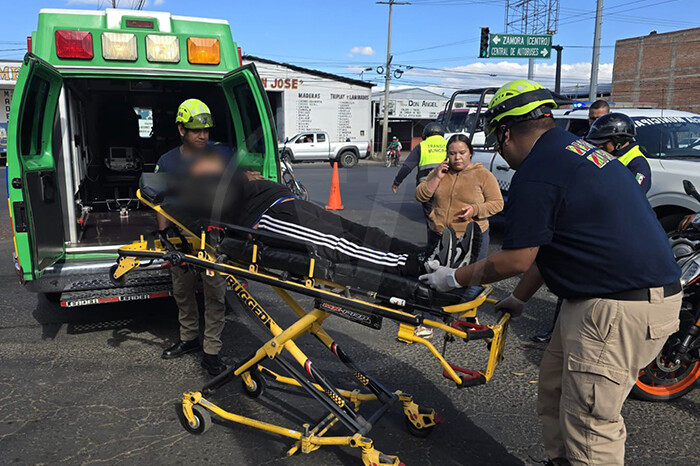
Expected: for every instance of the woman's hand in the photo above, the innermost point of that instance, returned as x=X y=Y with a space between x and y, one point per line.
x=442 y=170
x=465 y=214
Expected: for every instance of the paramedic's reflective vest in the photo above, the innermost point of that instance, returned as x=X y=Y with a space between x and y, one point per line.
x=630 y=155
x=432 y=153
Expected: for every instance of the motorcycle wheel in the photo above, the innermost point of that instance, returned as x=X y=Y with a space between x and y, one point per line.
x=659 y=381
x=654 y=384
x=387 y=162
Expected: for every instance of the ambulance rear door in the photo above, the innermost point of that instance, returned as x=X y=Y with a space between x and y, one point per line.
x=38 y=88
x=254 y=140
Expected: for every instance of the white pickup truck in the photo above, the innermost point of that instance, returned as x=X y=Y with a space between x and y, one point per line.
x=315 y=146
x=669 y=138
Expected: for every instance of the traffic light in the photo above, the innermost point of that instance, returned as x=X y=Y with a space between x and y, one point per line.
x=484 y=48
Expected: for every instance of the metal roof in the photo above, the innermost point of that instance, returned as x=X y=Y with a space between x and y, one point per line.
x=321 y=74
x=410 y=93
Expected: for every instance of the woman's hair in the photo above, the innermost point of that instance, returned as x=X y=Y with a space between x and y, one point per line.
x=459 y=137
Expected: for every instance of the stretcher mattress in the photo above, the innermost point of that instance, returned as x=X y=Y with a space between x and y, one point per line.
x=295 y=258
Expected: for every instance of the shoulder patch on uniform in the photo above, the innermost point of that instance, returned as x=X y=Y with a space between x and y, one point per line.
x=598 y=156
x=640 y=178
x=580 y=147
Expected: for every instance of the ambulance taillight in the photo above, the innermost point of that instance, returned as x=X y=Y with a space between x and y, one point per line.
x=74 y=44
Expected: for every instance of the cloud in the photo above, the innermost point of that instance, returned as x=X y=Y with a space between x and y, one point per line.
x=366 y=50
x=492 y=73
x=158 y=2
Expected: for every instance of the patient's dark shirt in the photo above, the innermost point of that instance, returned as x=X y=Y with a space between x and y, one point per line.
x=229 y=198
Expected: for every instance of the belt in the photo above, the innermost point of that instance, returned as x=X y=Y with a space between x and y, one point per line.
x=278 y=201
x=644 y=293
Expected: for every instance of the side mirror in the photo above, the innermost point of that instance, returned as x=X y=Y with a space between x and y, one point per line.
x=689 y=188
x=286 y=140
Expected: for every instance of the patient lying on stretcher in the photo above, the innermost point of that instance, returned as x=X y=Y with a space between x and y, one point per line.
x=245 y=198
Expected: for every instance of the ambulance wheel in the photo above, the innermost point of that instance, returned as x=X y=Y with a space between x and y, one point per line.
x=202 y=420
x=121 y=281
x=418 y=432
x=259 y=385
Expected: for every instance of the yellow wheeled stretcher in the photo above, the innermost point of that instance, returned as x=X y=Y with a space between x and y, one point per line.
x=361 y=295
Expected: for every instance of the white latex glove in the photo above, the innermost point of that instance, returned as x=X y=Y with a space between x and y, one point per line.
x=442 y=279
x=512 y=305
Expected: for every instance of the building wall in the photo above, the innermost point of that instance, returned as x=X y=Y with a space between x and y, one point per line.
x=659 y=68
x=304 y=102
x=8 y=76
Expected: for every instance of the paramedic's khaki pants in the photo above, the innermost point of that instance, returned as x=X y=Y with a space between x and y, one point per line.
x=184 y=286
x=590 y=366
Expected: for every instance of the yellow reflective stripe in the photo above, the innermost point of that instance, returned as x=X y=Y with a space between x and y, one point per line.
x=432 y=151
x=631 y=154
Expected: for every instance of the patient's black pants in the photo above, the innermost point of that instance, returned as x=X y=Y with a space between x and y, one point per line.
x=341 y=240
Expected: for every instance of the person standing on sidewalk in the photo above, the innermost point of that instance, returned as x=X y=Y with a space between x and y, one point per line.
x=193 y=121
x=616 y=273
x=426 y=156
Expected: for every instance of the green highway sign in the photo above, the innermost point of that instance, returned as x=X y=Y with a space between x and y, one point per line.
x=520 y=46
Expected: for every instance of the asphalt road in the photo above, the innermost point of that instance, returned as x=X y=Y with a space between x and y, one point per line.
x=87 y=385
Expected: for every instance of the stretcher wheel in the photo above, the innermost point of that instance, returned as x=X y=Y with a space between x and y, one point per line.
x=259 y=382
x=418 y=432
x=202 y=418
x=116 y=281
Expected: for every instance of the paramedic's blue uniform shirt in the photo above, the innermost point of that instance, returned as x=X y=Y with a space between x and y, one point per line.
x=595 y=228
x=174 y=162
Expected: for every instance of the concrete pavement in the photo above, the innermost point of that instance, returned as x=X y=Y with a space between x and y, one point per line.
x=87 y=385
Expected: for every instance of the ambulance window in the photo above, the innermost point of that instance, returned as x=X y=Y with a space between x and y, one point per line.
x=145 y=115
x=250 y=119
x=32 y=126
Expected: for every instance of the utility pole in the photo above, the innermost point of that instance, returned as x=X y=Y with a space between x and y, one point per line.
x=557 y=75
x=530 y=69
x=593 y=90
x=387 y=75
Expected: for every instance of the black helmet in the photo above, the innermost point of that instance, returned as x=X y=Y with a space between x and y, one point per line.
x=617 y=128
x=433 y=129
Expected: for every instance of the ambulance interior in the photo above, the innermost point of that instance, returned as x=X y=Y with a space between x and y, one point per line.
x=117 y=130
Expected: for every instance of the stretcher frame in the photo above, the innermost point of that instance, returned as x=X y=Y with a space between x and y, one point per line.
x=342 y=405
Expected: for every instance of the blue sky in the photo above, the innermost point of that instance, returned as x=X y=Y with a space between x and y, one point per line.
x=438 y=38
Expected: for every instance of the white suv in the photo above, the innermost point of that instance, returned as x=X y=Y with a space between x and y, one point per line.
x=669 y=138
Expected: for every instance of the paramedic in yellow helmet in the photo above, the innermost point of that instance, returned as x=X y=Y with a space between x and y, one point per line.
x=194 y=120
x=572 y=209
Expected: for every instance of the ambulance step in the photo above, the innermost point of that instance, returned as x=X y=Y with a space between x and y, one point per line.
x=115 y=295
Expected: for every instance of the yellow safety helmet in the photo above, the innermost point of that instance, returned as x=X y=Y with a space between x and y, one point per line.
x=516 y=101
x=194 y=114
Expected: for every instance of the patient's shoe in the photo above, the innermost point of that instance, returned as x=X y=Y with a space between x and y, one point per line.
x=445 y=250
x=468 y=246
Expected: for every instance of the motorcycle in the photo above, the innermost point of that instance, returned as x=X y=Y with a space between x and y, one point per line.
x=391 y=158
x=676 y=369
x=289 y=180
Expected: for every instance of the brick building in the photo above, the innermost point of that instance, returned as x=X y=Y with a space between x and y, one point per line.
x=659 y=68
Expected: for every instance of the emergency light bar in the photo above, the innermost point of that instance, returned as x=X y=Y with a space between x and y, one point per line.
x=119 y=46
x=162 y=49
x=74 y=44
x=203 y=51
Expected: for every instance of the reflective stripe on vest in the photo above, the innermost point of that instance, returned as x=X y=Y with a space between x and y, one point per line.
x=630 y=155
x=432 y=152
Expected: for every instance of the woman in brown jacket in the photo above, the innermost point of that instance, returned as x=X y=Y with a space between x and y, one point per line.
x=461 y=192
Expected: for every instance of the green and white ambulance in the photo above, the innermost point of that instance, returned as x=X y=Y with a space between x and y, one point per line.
x=93 y=108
